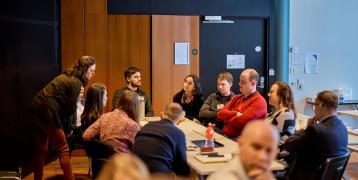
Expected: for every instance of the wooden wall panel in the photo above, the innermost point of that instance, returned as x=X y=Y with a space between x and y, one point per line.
x=120 y=41
x=72 y=31
x=168 y=78
x=84 y=32
x=95 y=33
x=129 y=45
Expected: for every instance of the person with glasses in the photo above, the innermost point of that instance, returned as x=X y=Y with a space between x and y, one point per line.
x=245 y=107
x=325 y=136
x=51 y=111
x=284 y=112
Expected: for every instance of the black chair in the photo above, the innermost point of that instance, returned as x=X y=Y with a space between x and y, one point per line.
x=99 y=152
x=334 y=167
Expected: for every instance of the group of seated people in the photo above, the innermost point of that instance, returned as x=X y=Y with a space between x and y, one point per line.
x=162 y=145
x=233 y=112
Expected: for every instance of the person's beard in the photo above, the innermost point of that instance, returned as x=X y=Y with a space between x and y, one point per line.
x=135 y=85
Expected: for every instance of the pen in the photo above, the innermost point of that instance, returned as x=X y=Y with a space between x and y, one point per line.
x=216 y=155
x=199 y=133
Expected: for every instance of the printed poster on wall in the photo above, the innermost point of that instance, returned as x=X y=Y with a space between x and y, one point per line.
x=181 y=53
x=235 y=61
x=311 y=63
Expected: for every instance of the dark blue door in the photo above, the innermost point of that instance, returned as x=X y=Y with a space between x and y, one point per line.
x=243 y=36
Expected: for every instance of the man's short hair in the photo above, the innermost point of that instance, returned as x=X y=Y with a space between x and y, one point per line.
x=130 y=71
x=173 y=111
x=327 y=99
x=253 y=75
x=226 y=76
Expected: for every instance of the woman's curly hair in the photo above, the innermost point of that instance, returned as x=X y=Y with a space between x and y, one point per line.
x=80 y=68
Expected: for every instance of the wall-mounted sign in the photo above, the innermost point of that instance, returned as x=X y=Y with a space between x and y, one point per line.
x=181 y=53
x=311 y=63
x=235 y=61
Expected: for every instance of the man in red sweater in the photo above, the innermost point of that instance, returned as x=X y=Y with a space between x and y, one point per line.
x=245 y=107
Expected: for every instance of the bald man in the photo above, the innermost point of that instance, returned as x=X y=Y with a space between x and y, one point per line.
x=258 y=146
x=161 y=145
x=245 y=107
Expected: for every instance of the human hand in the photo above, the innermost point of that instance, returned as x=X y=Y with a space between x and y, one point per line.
x=238 y=114
x=311 y=121
x=69 y=133
x=196 y=121
x=261 y=174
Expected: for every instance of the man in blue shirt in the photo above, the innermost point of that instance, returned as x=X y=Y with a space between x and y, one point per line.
x=161 y=145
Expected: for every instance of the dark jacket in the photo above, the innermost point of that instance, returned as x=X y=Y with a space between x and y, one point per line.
x=148 y=107
x=209 y=108
x=316 y=143
x=162 y=147
x=191 y=109
x=57 y=102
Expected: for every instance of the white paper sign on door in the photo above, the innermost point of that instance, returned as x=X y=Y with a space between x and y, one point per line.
x=235 y=61
x=181 y=54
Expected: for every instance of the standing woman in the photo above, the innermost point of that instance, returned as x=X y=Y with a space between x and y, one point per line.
x=284 y=112
x=96 y=100
x=190 y=97
x=51 y=110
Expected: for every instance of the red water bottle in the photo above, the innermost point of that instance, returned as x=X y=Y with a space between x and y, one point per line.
x=209 y=135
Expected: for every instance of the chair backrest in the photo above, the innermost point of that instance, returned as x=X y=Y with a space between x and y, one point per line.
x=334 y=167
x=99 y=152
x=98 y=149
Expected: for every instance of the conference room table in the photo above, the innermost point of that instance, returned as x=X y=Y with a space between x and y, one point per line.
x=353 y=133
x=195 y=131
x=352 y=113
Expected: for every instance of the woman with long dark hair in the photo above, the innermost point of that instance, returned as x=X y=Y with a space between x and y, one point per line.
x=283 y=113
x=118 y=127
x=96 y=100
x=190 y=97
x=51 y=111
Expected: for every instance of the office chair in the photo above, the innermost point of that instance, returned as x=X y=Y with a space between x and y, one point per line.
x=99 y=152
x=334 y=167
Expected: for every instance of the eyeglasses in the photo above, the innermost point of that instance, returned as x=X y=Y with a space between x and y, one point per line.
x=316 y=104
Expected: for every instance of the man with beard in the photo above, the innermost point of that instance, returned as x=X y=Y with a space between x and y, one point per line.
x=133 y=79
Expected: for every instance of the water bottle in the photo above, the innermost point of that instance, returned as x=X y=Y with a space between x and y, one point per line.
x=209 y=135
x=141 y=109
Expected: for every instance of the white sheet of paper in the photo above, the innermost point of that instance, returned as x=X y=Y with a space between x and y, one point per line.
x=311 y=63
x=235 y=61
x=297 y=58
x=181 y=54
